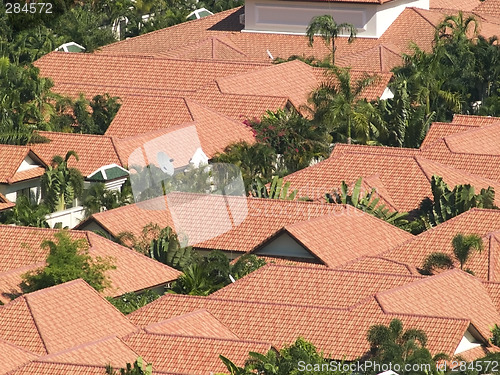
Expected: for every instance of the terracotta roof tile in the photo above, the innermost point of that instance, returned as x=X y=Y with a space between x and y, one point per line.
x=463 y=5
x=489 y=9
x=439 y=239
x=339 y=238
x=166 y=76
x=310 y=286
x=439 y=130
x=404 y=174
x=109 y=350
x=382 y=57
x=5 y=203
x=379 y=264
x=60 y=317
x=21 y=252
x=13 y=356
x=443 y=295
x=11 y=158
x=336 y=332
x=193 y=355
x=93 y=151
x=481 y=141
x=474 y=120
x=48 y=368
x=198 y=324
x=204 y=218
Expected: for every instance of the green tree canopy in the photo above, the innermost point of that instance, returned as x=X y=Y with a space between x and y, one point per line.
x=68 y=260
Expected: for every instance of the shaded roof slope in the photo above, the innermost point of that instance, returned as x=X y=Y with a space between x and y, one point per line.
x=60 y=317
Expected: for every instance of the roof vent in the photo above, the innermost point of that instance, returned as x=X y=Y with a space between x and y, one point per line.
x=242 y=19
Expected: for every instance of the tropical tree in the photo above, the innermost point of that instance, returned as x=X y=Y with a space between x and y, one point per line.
x=367 y=202
x=167 y=249
x=277 y=189
x=339 y=106
x=97 y=198
x=463 y=247
x=393 y=345
x=129 y=302
x=329 y=30
x=68 y=260
x=447 y=203
x=26 y=213
x=137 y=368
x=257 y=160
x=61 y=184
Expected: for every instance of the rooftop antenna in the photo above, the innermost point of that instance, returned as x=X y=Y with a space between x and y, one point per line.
x=269 y=54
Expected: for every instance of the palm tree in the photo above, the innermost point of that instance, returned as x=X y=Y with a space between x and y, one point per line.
x=60 y=183
x=338 y=105
x=463 y=246
x=97 y=198
x=329 y=30
x=456 y=26
x=26 y=213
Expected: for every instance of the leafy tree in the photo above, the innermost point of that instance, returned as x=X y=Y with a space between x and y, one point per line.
x=329 y=30
x=367 y=202
x=97 y=198
x=61 y=184
x=130 y=302
x=295 y=140
x=167 y=249
x=277 y=189
x=463 y=246
x=338 y=105
x=448 y=203
x=26 y=213
x=68 y=260
x=137 y=368
x=82 y=26
x=495 y=335
x=391 y=344
x=285 y=362
x=257 y=160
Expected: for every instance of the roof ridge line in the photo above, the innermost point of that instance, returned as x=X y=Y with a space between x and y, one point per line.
x=35 y=322
x=203 y=337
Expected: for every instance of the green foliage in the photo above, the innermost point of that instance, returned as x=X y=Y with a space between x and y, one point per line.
x=437 y=260
x=68 y=260
x=137 y=368
x=277 y=190
x=338 y=105
x=97 y=198
x=448 y=203
x=61 y=184
x=26 y=213
x=285 y=362
x=393 y=345
x=367 y=202
x=130 y=302
x=464 y=245
x=167 y=249
x=295 y=140
x=213 y=272
x=329 y=30
x=495 y=335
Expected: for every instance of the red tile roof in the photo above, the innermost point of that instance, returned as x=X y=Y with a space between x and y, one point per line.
x=404 y=174
x=93 y=151
x=197 y=323
x=310 y=286
x=60 y=317
x=48 y=368
x=5 y=203
x=474 y=120
x=480 y=141
x=443 y=295
x=490 y=9
x=382 y=57
x=379 y=264
x=12 y=157
x=334 y=331
x=482 y=222
x=102 y=70
x=204 y=218
x=13 y=356
x=463 y=5
x=108 y=350
x=21 y=252
x=193 y=355
x=339 y=238
x=439 y=130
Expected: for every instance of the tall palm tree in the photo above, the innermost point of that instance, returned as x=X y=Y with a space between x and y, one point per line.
x=60 y=183
x=457 y=26
x=338 y=105
x=329 y=30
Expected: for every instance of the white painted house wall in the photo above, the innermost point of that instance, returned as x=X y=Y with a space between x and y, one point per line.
x=286 y=17
x=468 y=342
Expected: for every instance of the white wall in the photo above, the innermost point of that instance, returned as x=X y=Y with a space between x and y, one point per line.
x=468 y=342
x=285 y=246
x=293 y=17
x=69 y=218
x=10 y=191
x=27 y=164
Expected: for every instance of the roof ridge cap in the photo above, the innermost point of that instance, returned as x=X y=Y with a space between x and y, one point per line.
x=144 y=332
x=25 y=297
